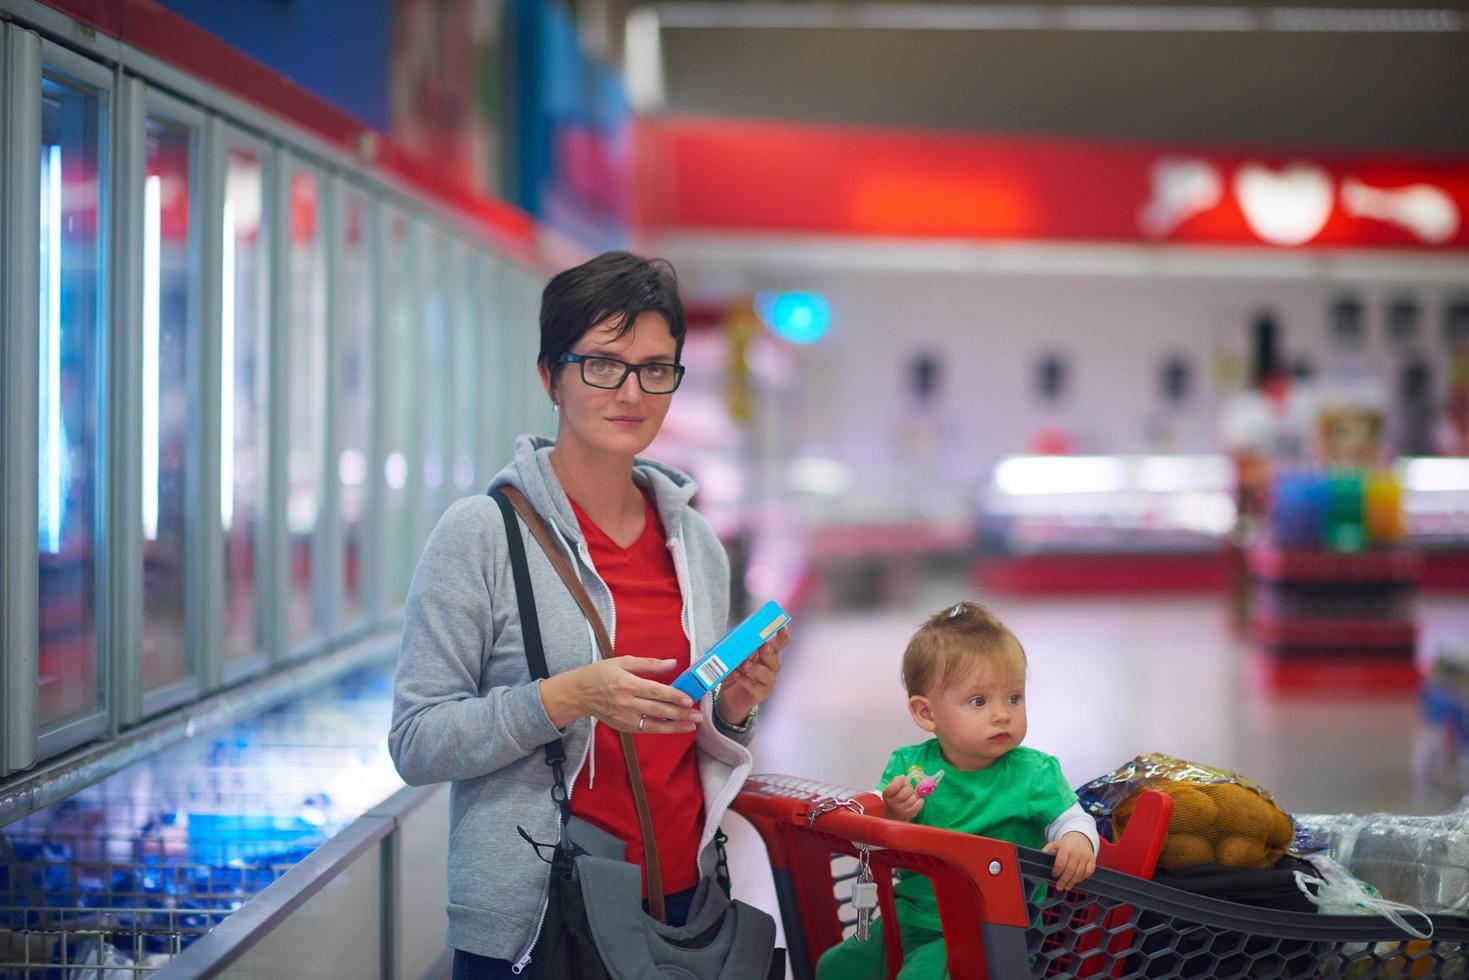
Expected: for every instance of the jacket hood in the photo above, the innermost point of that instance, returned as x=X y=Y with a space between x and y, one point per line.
x=530 y=472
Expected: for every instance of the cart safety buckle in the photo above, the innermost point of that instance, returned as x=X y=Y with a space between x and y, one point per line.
x=829 y=804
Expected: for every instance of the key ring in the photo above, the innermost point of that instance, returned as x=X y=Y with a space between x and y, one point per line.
x=828 y=804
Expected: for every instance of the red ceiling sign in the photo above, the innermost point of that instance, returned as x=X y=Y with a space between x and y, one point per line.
x=763 y=177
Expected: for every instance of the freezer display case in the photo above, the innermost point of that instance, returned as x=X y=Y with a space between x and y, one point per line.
x=1105 y=523
x=1162 y=522
x=130 y=873
x=1436 y=513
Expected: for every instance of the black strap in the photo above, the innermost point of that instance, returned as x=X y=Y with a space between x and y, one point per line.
x=721 y=861
x=530 y=627
x=569 y=577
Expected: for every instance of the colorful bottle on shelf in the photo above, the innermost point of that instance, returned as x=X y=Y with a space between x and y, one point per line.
x=1382 y=502
x=1298 y=509
x=1344 y=526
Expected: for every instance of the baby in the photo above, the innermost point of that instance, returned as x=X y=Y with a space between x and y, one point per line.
x=965 y=675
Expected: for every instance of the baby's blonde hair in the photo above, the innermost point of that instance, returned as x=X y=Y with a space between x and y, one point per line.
x=955 y=640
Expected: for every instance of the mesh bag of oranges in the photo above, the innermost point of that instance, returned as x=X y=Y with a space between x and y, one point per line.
x=1218 y=817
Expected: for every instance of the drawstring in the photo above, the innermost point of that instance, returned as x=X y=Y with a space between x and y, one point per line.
x=592 y=757
x=537 y=845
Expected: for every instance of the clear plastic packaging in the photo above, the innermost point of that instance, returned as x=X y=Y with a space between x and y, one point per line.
x=97 y=960
x=1336 y=891
x=1422 y=861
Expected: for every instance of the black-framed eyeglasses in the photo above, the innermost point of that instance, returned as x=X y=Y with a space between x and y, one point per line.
x=655 y=377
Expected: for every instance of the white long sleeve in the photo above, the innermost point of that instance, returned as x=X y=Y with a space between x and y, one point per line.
x=1073 y=818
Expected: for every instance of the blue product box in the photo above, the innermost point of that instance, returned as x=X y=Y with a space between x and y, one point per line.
x=731 y=650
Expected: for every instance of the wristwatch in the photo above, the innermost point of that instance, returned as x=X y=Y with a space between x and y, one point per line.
x=743 y=727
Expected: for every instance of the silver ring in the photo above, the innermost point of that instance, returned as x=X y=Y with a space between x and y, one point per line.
x=642 y=719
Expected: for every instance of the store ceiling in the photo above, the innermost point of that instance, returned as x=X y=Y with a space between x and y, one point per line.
x=1253 y=73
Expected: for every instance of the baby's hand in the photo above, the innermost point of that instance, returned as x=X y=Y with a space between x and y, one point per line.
x=1075 y=859
x=901 y=799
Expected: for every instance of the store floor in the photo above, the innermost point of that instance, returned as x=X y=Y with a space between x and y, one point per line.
x=1110 y=678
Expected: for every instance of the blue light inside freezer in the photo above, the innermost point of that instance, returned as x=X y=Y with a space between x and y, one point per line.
x=207 y=824
x=233 y=838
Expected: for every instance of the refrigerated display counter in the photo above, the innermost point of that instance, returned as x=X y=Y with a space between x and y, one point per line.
x=1160 y=523
x=1105 y=523
x=1436 y=511
x=285 y=845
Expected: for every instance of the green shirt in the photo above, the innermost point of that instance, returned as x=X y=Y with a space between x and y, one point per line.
x=1014 y=800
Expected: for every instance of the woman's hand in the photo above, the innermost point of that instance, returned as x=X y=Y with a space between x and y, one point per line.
x=612 y=692
x=901 y=799
x=1075 y=859
x=752 y=681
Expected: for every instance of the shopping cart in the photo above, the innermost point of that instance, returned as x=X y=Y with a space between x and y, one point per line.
x=1003 y=920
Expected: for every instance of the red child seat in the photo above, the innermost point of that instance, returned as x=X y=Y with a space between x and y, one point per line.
x=981 y=895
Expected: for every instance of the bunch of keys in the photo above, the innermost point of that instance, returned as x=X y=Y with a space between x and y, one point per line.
x=864 y=896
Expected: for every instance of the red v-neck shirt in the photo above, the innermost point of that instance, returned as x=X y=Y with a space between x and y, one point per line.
x=648 y=608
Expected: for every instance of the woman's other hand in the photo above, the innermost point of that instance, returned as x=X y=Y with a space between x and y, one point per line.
x=752 y=681
x=613 y=692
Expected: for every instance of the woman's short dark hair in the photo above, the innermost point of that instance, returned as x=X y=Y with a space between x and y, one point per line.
x=616 y=286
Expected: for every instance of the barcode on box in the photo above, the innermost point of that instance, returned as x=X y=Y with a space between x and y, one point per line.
x=710 y=671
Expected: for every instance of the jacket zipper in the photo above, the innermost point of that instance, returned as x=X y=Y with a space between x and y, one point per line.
x=519 y=966
x=680 y=568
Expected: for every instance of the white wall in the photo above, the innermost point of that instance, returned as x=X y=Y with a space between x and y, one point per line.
x=850 y=397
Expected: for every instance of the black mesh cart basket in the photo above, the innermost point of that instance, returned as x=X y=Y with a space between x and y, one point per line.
x=1003 y=920
x=1145 y=930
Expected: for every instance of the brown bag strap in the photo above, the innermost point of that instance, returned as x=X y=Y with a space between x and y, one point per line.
x=557 y=557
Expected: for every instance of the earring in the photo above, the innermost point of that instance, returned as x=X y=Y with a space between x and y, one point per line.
x=556 y=407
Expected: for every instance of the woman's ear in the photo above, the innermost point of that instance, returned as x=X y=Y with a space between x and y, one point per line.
x=544 y=369
x=922 y=711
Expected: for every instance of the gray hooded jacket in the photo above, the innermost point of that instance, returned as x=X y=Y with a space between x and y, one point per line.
x=466 y=711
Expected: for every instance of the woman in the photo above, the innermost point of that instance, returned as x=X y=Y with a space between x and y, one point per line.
x=465 y=708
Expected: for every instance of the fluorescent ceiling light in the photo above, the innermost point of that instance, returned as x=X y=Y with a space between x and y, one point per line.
x=827 y=477
x=227 y=446
x=1435 y=474
x=1045 y=17
x=1060 y=474
x=152 y=337
x=1174 y=474
x=760 y=256
x=54 y=448
x=642 y=60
